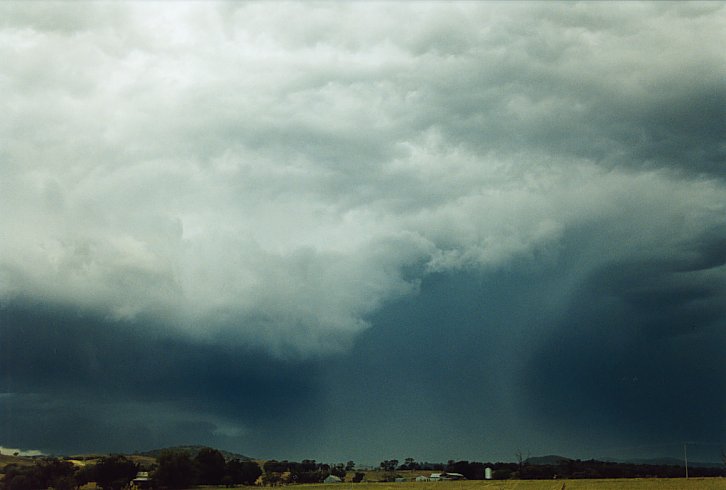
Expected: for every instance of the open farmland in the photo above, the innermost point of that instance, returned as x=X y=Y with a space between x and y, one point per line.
x=616 y=484
x=17 y=460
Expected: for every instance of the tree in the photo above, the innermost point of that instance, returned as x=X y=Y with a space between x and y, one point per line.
x=65 y=483
x=176 y=470
x=251 y=471
x=349 y=466
x=244 y=472
x=389 y=465
x=338 y=470
x=273 y=478
x=521 y=459
x=85 y=475
x=274 y=466
x=49 y=472
x=306 y=476
x=21 y=482
x=19 y=478
x=114 y=472
x=309 y=465
x=210 y=466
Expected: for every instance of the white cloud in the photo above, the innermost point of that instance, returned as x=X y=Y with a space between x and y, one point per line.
x=272 y=170
x=7 y=451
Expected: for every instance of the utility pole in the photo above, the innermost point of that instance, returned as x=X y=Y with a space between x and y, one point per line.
x=685 y=458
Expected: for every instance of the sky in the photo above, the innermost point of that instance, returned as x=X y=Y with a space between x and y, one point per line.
x=363 y=231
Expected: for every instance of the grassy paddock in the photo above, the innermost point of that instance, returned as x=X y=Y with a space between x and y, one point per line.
x=624 y=484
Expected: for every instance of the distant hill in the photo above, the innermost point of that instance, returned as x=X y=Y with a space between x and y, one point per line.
x=6 y=459
x=193 y=451
x=551 y=459
x=666 y=461
x=554 y=460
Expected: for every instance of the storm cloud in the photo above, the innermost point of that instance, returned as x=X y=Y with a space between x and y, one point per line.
x=299 y=230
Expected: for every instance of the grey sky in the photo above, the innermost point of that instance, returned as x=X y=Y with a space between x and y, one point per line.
x=327 y=230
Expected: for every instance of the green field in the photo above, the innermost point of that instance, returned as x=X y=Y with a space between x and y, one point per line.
x=624 y=484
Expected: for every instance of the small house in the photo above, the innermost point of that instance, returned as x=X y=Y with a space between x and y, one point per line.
x=141 y=481
x=446 y=476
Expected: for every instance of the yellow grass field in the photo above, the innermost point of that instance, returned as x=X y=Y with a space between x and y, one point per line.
x=18 y=460
x=621 y=484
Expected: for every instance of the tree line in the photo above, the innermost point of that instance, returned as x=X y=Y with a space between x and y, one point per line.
x=306 y=471
x=566 y=468
x=176 y=469
x=173 y=470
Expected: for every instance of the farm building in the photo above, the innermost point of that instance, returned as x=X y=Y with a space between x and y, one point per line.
x=446 y=476
x=332 y=479
x=141 y=481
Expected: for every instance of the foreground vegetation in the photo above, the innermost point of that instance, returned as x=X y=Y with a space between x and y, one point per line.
x=184 y=468
x=173 y=470
x=611 y=484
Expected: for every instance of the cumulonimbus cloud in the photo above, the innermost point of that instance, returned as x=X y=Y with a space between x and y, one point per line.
x=276 y=174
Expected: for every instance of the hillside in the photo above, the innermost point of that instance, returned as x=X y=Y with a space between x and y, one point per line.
x=192 y=451
x=551 y=459
x=16 y=460
x=668 y=461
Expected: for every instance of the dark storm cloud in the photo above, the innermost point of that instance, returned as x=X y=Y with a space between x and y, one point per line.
x=636 y=351
x=446 y=206
x=539 y=357
x=75 y=424
x=443 y=364
x=64 y=369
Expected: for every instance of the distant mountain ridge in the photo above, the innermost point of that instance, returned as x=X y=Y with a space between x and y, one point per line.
x=666 y=461
x=554 y=460
x=550 y=459
x=192 y=451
